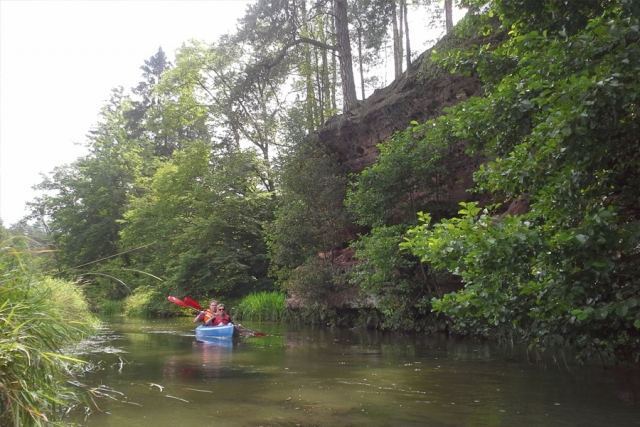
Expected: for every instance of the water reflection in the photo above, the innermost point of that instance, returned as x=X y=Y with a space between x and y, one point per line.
x=337 y=377
x=209 y=358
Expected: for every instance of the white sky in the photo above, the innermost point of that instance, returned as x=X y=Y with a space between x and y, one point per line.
x=59 y=61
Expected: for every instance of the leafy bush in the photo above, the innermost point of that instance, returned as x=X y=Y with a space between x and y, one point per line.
x=560 y=120
x=310 y=224
x=388 y=276
x=139 y=303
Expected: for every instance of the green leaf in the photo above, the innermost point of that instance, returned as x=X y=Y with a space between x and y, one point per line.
x=622 y=310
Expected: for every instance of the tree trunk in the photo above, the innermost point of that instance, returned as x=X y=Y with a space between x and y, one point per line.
x=360 y=60
x=349 y=97
x=448 y=13
x=334 y=81
x=400 y=35
x=321 y=84
x=406 y=32
x=307 y=71
x=397 y=43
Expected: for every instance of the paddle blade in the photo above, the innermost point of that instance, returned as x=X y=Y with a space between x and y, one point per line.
x=176 y=301
x=246 y=332
x=192 y=303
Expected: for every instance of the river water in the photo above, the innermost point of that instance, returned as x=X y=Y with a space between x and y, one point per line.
x=155 y=373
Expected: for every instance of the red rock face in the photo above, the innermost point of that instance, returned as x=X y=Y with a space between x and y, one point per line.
x=355 y=134
x=517 y=206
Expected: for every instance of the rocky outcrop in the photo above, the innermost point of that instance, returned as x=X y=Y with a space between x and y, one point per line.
x=412 y=97
x=354 y=135
x=420 y=94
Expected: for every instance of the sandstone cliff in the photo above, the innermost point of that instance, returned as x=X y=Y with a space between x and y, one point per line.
x=412 y=97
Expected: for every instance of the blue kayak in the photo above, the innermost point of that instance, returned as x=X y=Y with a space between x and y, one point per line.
x=219 y=342
x=225 y=331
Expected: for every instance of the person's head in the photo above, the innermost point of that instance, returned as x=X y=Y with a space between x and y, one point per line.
x=213 y=305
x=222 y=309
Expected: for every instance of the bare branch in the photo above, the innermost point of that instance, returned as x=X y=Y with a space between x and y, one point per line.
x=299 y=41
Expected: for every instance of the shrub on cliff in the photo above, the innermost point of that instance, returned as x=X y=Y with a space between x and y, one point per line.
x=560 y=118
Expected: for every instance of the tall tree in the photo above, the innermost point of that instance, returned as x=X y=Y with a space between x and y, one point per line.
x=241 y=101
x=397 y=42
x=153 y=69
x=274 y=42
x=370 y=22
x=86 y=199
x=204 y=214
x=406 y=32
x=448 y=14
x=153 y=117
x=349 y=97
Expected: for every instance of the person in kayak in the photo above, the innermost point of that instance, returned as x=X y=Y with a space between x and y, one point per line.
x=208 y=316
x=221 y=317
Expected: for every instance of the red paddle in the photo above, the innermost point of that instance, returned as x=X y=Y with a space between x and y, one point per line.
x=192 y=303
x=249 y=333
x=177 y=301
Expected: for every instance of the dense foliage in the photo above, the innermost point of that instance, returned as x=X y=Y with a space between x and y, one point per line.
x=560 y=120
x=309 y=228
x=202 y=221
x=408 y=177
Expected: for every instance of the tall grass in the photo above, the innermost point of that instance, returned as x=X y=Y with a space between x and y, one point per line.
x=262 y=307
x=38 y=317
